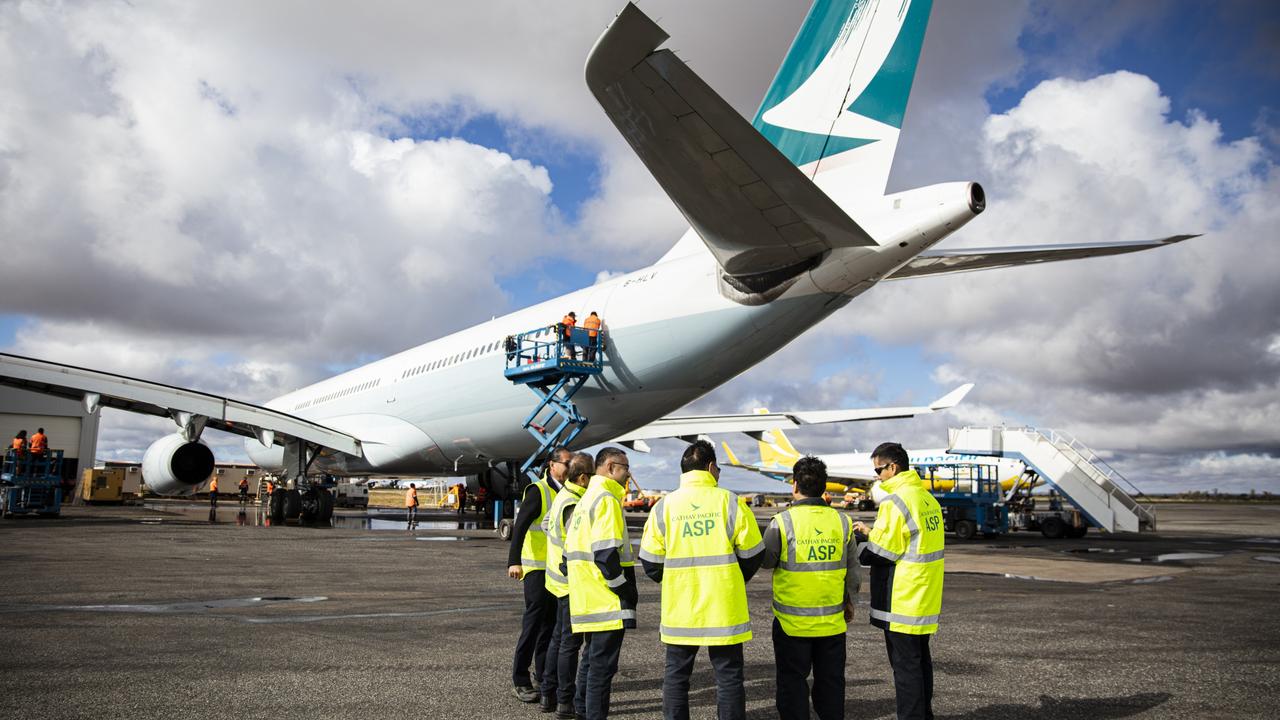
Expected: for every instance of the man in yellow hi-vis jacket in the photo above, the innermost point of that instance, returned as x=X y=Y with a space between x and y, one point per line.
x=904 y=550
x=602 y=578
x=703 y=544
x=816 y=578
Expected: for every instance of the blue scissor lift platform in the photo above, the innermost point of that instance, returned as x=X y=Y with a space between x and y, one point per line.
x=554 y=365
x=31 y=483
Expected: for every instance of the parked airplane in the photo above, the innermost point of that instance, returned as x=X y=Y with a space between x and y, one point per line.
x=853 y=470
x=789 y=224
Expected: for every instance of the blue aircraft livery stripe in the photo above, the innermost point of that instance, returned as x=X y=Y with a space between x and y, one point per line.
x=885 y=99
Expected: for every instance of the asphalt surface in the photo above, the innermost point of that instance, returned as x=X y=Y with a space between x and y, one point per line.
x=157 y=613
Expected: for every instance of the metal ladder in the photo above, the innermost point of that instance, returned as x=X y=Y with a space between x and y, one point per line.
x=541 y=360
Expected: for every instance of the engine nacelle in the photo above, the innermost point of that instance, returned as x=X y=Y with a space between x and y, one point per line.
x=173 y=466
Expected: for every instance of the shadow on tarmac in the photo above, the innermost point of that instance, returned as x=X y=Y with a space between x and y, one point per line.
x=1067 y=709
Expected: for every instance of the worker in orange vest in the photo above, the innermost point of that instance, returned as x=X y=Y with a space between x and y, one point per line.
x=271 y=488
x=20 y=441
x=411 y=502
x=39 y=443
x=213 y=492
x=568 y=324
x=244 y=490
x=592 y=324
x=19 y=447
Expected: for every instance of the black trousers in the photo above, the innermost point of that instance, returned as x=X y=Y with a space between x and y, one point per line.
x=795 y=658
x=912 y=674
x=726 y=661
x=561 y=666
x=595 y=674
x=535 y=629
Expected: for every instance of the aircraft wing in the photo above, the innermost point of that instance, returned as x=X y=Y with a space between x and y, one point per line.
x=756 y=211
x=100 y=389
x=943 y=262
x=689 y=427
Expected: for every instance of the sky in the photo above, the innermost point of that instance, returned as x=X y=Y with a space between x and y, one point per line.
x=246 y=197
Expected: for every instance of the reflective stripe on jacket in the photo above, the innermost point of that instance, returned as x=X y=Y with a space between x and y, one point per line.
x=554 y=526
x=597 y=541
x=815 y=545
x=906 y=596
x=698 y=533
x=533 y=552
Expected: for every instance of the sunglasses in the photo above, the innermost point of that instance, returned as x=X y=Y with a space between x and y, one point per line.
x=882 y=468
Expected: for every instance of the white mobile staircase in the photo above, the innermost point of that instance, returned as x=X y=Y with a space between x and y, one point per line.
x=1077 y=472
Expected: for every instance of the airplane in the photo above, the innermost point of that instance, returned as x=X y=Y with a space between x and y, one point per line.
x=778 y=456
x=789 y=222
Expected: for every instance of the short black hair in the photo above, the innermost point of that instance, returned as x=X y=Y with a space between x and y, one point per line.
x=810 y=475
x=609 y=454
x=892 y=452
x=39 y=430
x=580 y=464
x=561 y=453
x=697 y=456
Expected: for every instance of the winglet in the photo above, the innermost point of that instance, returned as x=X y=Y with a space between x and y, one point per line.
x=952 y=398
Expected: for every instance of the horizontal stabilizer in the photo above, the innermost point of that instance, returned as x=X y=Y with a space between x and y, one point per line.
x=691 y=426
x=756 y=211
x=944 y=262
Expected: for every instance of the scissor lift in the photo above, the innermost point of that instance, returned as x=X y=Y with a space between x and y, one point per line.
x=555 y=368
x=31 y=483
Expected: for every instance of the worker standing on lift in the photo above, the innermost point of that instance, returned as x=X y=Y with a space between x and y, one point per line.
x=559 y=691
x=703 y=544
x=592 y=325
x=527 y=561
x=39 y=444
x=566 y=328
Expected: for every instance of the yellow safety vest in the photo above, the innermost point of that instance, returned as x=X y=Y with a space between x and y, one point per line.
x=809 y=581
x=533 y=553
x=909 y=531
x=554 y=527
x=598 y=523
x=698 y=533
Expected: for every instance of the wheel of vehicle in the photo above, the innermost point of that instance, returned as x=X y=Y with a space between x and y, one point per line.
x=1077 y=532
x=310 y=508
x=326 y=506
x=1053 y=528
x=966 y=529
x=865 y=505
x=505 y=528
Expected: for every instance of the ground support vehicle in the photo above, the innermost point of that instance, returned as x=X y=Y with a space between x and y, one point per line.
x=973 y=504
x=31 y=484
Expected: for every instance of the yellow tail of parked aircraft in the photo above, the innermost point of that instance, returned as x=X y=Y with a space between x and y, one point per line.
x=847 y=471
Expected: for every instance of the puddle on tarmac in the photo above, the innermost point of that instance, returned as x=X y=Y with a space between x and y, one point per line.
x=178 y=607
x=1264 y=541
x=1150 y=580
x=444 y=537
x=1176 y=557
x=1267 y=558
x=255 y=516
x=1088 y=551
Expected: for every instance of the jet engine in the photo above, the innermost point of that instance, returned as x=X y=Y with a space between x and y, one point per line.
x=174 y=466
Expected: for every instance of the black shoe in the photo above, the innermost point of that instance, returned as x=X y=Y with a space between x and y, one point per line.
x=525 y=693
x=548 y=704
x=565 y=712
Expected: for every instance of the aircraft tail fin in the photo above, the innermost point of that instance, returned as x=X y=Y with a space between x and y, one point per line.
x=776 y=449
x=840 y=95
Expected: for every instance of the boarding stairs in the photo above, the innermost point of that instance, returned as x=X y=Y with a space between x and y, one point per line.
x=554 y=366
x=1098 y=490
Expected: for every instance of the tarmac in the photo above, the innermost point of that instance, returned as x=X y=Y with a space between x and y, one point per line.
x=156 y=612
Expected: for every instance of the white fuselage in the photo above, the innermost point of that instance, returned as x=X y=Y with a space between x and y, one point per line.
x=673 y=334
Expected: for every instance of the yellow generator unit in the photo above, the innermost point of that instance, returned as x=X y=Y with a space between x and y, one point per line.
x=102 y=485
